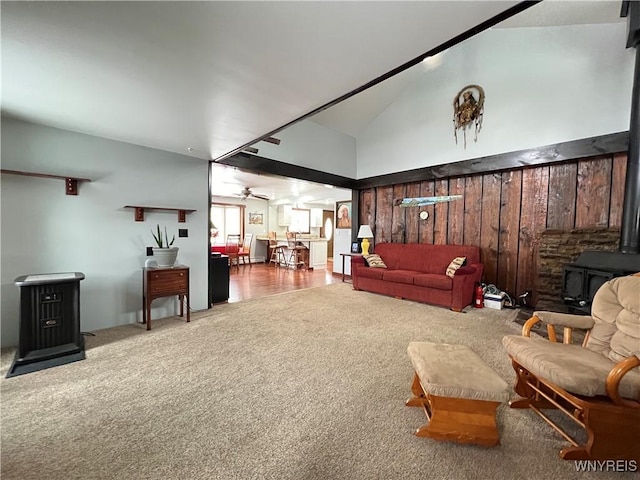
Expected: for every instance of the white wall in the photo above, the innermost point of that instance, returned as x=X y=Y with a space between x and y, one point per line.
x=341 y=244
x=45 y=231
x=543 y=86
x=311 y=145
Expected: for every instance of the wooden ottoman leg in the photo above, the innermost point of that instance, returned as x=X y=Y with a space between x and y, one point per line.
x=419 y=398
x=462 y=420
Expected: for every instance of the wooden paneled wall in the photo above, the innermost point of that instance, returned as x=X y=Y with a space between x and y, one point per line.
x=503 y=213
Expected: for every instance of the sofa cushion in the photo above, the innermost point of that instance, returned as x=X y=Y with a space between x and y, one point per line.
x=425 y=258
x=455 y=264
x=374 y=261
x=576 y=369
x=433 y=280
x=399 y=276
x=375 y=273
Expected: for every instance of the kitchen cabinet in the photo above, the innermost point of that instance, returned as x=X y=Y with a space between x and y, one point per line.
x=284 y=215
x=318 y=254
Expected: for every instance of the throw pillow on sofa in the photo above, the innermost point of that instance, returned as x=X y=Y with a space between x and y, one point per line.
x=455 y=264
x=374 y=261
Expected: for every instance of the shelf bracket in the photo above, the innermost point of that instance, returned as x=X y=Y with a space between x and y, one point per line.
x=72 y=186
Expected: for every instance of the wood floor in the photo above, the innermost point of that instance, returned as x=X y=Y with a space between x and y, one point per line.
x=261 y=280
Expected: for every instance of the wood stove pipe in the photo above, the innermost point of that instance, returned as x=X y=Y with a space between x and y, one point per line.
x=630 y=228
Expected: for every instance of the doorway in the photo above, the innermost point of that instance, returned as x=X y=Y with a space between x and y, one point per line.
x=327 y=230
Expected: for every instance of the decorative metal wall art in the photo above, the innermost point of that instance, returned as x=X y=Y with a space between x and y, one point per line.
x=423 y=201
x=468 y=110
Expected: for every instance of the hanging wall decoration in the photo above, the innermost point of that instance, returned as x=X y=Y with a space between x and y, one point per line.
x=468 y=110
x=255 y=218
x=424 y=201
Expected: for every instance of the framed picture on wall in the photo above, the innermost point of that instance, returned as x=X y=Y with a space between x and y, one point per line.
x=343 y=214
x=255 y=218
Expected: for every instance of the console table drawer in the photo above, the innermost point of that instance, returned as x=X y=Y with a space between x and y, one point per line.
x=167 y=289
x=168 y=276
x=173 y=281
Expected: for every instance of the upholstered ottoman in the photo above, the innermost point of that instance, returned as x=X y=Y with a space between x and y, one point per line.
x=458 y=391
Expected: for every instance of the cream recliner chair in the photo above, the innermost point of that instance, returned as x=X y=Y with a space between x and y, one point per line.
x=596 y=384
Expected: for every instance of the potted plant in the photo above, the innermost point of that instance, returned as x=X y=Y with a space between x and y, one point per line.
x=164 y=254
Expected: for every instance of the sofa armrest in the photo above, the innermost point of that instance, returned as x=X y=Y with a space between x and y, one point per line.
x=356 y=263
x=554 y=319
x=357 y=260
x=464 y=282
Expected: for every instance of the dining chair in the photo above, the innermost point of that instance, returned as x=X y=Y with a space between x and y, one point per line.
x=232 y=249
x=245 y=249
x=277 y=251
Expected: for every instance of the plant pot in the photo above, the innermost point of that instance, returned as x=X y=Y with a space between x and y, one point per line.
x=165 y=257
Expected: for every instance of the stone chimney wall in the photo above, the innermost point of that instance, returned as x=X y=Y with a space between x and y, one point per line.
x=559 y=248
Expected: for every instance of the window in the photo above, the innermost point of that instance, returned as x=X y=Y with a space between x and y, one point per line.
x=300 y=220
x=225 y=220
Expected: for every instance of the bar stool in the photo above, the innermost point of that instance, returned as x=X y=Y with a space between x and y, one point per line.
x=297 y=253
x=277 y=251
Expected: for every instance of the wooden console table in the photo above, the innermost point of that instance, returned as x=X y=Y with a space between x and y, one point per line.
x=164 y=282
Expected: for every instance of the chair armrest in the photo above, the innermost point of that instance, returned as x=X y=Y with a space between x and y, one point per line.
x=566 y=320
x=555 y=319
x=615 y=377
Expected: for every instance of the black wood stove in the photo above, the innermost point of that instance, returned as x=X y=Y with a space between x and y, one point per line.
x=582 y=279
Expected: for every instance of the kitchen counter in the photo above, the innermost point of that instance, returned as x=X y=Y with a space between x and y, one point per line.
x=299 y=238
x=317 y=248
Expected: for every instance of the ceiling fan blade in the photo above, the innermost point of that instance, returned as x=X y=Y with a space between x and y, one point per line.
x=261 y=197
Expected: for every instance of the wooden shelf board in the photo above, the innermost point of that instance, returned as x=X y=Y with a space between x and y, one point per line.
x=44 y=175
x=139 y=211
x=71 y=183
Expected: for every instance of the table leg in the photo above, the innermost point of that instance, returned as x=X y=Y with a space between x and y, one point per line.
x=343 y=257
x=144 y=309
x=181 y=299
x=148 y=309
x=188 y=308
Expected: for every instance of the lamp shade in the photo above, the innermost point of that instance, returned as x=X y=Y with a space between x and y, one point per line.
x=365 y=232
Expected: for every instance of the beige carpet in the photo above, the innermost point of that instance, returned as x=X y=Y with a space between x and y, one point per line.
x=303 y=385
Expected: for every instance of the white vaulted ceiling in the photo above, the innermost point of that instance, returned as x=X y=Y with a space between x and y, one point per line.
x=208 y=75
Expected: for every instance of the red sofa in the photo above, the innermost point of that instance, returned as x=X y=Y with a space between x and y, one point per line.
x=417 y=271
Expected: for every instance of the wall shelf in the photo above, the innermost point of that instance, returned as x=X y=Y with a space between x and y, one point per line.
x=70 y=183
x=139 y=212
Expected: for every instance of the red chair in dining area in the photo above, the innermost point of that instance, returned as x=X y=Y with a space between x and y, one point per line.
x=232 y=250
x=245 y=249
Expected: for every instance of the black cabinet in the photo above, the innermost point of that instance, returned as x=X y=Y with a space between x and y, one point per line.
x=49 y=322
x=218 y=279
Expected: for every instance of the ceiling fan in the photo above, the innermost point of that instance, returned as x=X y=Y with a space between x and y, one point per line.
x=246 y=193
